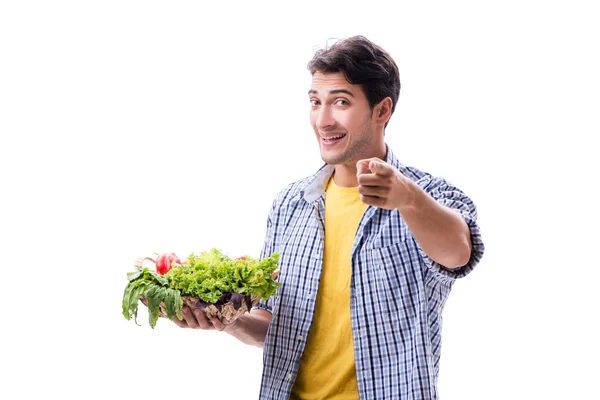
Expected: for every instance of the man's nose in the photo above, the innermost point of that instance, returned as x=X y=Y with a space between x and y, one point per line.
x=325 y=118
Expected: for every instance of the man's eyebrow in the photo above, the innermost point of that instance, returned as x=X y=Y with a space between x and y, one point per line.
x=333 y=91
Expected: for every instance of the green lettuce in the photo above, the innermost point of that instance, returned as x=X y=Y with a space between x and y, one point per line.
x=211 y=274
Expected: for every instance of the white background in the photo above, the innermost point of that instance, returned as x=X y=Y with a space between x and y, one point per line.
x=134 y=127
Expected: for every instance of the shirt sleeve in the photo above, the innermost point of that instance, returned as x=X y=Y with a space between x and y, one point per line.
x=267 y=250
x=450 y=196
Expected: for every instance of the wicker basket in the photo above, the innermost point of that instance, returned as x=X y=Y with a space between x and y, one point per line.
x=225 y=313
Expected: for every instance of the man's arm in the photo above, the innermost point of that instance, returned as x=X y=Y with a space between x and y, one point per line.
x=250 y=328
x=441 y=232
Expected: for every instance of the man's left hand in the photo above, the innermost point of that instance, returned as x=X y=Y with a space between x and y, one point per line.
x=382 y=185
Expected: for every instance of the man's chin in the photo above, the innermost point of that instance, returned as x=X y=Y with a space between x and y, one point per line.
x=329 y=158
x=335 y=159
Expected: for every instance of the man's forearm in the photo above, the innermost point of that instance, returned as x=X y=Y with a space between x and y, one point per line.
x=441 y=232
x=251 y=328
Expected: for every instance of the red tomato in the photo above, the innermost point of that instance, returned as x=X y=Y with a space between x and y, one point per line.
x=241 y=258
x=165 y=261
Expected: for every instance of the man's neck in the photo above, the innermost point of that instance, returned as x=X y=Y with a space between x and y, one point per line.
x=345 y=175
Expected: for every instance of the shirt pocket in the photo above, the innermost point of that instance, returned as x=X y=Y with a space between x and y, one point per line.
x=398 y=281
x=386 y=230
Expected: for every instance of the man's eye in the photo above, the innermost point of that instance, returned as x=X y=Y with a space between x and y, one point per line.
x=341 y=102
x=314 y=102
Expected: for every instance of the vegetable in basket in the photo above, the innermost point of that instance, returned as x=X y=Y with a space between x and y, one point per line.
x=219 y=285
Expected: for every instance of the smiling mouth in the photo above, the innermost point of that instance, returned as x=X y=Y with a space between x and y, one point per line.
x=332 y=139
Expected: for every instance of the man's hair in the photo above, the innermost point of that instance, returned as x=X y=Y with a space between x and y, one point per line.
x=364 y=63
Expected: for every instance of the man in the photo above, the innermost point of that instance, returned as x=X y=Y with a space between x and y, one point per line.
x=369 y=250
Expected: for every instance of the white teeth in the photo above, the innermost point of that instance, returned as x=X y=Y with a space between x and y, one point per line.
x=334 y=137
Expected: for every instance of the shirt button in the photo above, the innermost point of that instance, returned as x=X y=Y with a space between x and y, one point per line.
x=289 y=376
x=309 y=296
x=300 y=337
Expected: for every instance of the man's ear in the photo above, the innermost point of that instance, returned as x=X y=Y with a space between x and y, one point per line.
x=383 y=111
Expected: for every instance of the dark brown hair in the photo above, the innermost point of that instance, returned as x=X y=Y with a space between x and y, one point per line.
x=364 y=63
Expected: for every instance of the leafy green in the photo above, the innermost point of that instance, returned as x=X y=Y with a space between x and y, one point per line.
x=155 y=289
x=173 y=303
x=210 y=274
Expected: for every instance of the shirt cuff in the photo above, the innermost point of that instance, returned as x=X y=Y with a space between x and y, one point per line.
x=262 y=306
x=477 y=250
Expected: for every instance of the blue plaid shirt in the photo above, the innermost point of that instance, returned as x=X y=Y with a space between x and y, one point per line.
x=397 y=292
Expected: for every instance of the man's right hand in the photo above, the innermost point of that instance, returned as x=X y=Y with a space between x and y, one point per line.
x=250 y=328
x=197 y=320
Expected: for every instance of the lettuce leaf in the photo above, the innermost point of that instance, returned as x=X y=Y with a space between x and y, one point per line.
x=210 y=274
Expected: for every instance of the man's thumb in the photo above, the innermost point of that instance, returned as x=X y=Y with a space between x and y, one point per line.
x=362 y=167
x=375 y=166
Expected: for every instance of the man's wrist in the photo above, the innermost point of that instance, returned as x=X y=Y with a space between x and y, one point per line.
x=411 y=193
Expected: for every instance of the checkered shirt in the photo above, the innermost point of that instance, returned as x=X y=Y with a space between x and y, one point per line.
x=397 y=292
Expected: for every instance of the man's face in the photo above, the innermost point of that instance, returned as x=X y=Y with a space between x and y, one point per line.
x=341 y=118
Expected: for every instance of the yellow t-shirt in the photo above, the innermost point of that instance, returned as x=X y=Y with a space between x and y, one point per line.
x=327 y=369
